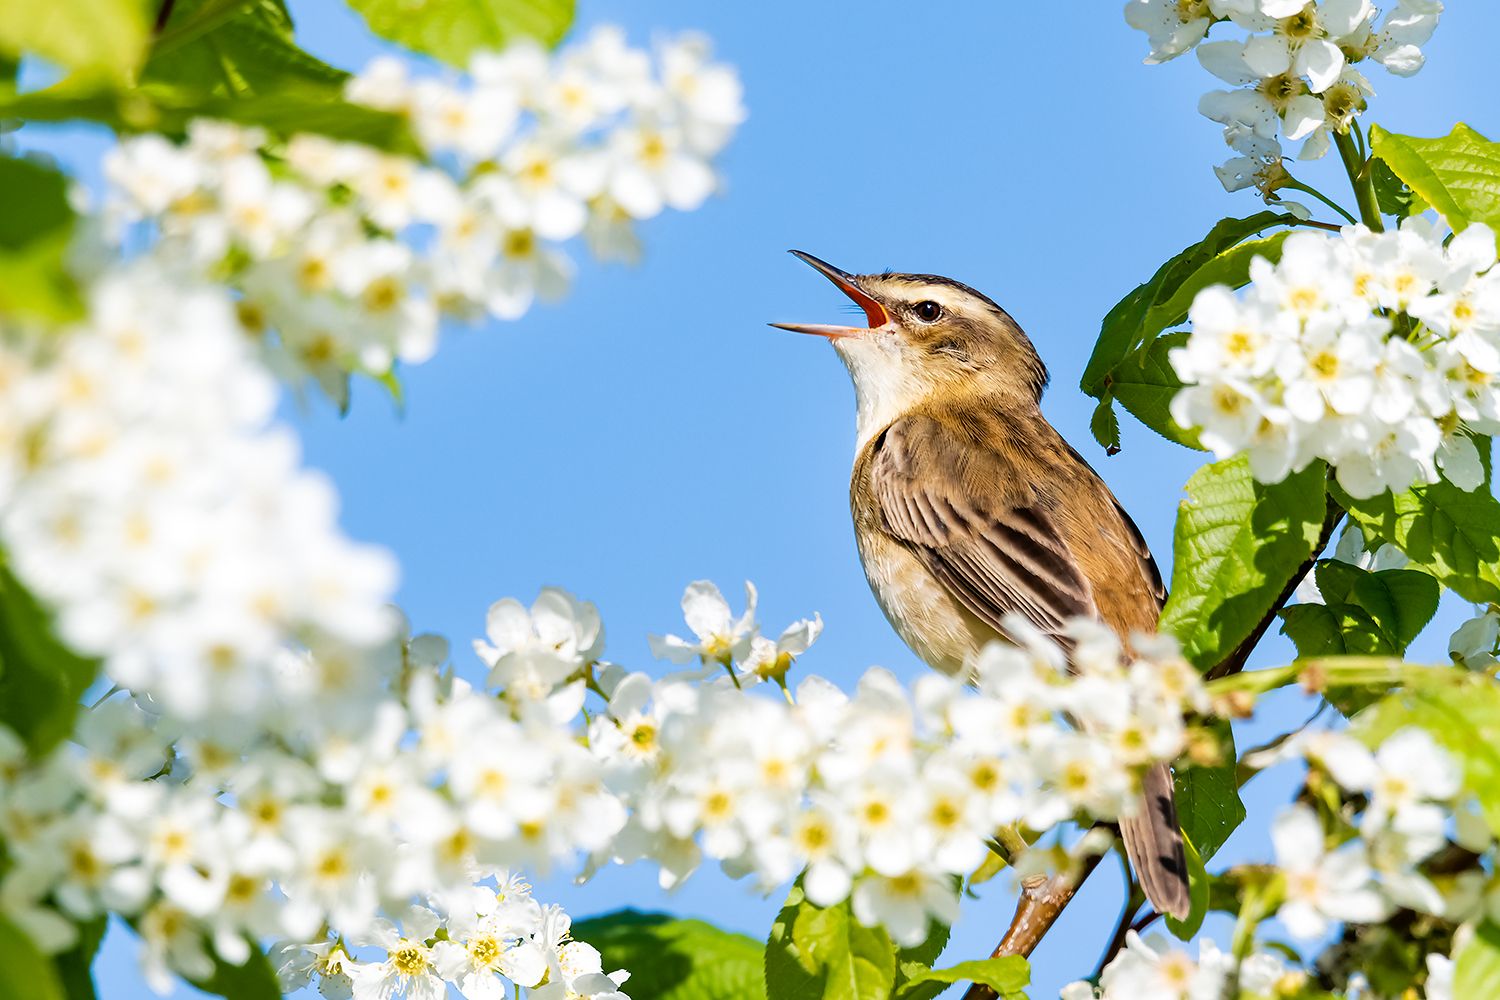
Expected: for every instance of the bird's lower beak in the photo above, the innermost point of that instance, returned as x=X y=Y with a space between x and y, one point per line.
x=874 y=312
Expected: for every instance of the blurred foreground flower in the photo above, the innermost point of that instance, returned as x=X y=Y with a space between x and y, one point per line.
x=347 y=258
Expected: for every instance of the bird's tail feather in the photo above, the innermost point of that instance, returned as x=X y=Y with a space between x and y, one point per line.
x=1153 y=841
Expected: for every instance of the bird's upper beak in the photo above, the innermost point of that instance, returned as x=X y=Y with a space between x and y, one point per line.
x=848 y=284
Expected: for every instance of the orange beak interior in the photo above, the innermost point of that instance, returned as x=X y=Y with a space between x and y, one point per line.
x=875 y=313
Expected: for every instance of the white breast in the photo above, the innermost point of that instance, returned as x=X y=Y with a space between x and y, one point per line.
x=923 y=612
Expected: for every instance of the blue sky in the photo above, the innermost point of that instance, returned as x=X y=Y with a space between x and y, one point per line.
x=651 y=430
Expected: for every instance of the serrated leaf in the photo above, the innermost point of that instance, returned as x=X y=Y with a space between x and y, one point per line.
x=818 y=953
x=24 y=970
x=1006 y=974
x=1236 y=546
x=40 y=679
x=251 y=52
x=1400 y=601
x=455 y=30
x=1362 y=612
x=1209 y=807
x=1314 y=629
x=1446 y=532
x=97 y=38
x=1144 y=383
x=1457 y=174
x=1461 y=711
x=1162 y=301
x=1391 y=193
x=1105 y=424
x=1476 y=967
x=1198 y=892
x=673 y=959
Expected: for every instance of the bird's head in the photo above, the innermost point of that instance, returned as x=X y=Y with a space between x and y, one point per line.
x=927 y=337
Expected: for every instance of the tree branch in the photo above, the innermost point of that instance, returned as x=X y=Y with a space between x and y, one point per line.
x=1041 y=903
x=1235 y=661
x=163 y=15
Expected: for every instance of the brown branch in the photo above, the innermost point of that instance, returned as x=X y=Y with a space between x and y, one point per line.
x=1041 y=903
x=163 y=15
x=1235 y=661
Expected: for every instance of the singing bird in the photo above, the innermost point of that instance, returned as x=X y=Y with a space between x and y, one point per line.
x=969 y=506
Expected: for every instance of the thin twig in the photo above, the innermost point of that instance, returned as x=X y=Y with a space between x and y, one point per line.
x=1315 y=224
x=163 y=15
x=1134 y=900
x=1235 y=661
x=1040 y=905
x=1146 y=920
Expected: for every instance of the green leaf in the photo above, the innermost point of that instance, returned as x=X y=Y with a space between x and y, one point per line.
x=1007 y=974
x=1164 y=299
x=455 y=30
x=1391 y=192
x=255 y=980
x=251 y=52
x=818 y=953
x=1400 y=601
x=40 y=679
x=1476 y=968
x=674 y=959
x=1461 y=711
x=1314 y=629
x=97 y=38
x=1236 y=546
x=1145 y=383
x=24 y=970
x=1208 y=798
x=164 y=109
x=1457 y=174
x=1362 y=613
x=75 y=966
x=1105 y=424
x=1446 y=532
x=36 y=227
x=1198 y=888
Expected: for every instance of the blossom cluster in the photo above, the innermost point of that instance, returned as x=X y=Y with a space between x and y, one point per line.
x=1294 y=75
x=1354 y=865
x=1376 y=352
x=371 y=842
x=147 y=497
x=884 y=795
x=322 y=831
x=346 y=257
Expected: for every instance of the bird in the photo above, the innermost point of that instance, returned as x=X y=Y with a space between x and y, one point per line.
x=969 y=506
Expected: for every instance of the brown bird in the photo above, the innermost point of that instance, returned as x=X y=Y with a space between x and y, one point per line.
x=969 y=506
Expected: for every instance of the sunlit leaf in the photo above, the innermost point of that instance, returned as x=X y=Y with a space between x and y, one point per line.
x=98 y=38
x=1237 y=544
x=1458 y=174
x=672 y=959
x=456 y=29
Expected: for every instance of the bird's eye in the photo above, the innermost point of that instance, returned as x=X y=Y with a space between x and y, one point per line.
x=928 y=312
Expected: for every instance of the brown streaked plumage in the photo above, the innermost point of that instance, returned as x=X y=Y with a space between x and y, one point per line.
x=968 y=506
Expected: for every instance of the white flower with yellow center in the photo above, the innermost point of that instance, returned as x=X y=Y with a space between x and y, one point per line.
x=407 y=970
x=1321 y=886
x=722 y=638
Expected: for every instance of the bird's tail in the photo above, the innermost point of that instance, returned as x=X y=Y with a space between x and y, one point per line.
x=1154 y=842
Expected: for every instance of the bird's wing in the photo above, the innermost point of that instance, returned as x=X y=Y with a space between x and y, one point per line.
x=976 y=524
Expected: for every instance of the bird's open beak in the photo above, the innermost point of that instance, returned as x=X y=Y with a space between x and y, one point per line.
x=874 y=312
